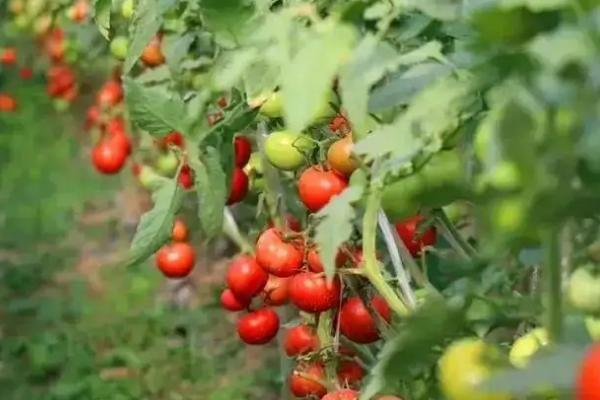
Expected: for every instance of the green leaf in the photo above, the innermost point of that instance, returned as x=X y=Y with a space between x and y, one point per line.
x=335 y=226
x=155 y=226
x=370 y=62
x=231 y=67
x=561 y=47
x=433 y=114
x=211 y=189
x=414 y=345
x=308 y=76
x=147 y=20
x=154 y=75
x=229 y=20
x=446 y=10
x=555 y=368
x=175 y=47
x=154 y=109
x=102 y=16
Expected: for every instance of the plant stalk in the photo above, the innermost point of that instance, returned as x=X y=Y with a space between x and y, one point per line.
x=553 y=284
x=231 y=229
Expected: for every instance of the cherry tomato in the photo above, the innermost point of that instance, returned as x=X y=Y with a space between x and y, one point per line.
x=7 y=103
x=407 y=230
x=462 y=369
x=110 y=94
x=117 y=133
x=300 y=340
x=119 y=46
x=239 y=186
x=245 y=277
x=526 y=346
x=186 y=177
x=258 y=327
x=588 y=378
x=61 y=78
x=127 y=8
x=339 y=124
x=277 y=291
x=243 y=149
x=8 y=56
x=312 y=293
x=287 y=150
x=313 y=259
x=179 y=233
x=108 y=157
x=356 y=322
x=584 y=290
x=317 y=186
x=342 y=394
x=92 y=117
x=350 y=373
x=167 y=163
x=272 y=107
x=232 y=303
x=176 y=260
x=339 y=156
x=174 y=138
x=152 y=56
x=306 y=380
x=278 y=257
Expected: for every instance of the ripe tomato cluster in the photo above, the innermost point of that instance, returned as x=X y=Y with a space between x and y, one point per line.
x=177 y=258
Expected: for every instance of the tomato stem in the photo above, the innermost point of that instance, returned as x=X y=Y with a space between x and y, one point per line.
x=371 y=265
x=324 y=329
x=553 y=288
x=272 y=190
x=231 y=229
x=453 y=236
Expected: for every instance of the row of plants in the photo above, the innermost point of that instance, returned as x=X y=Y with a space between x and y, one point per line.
x=418 y=180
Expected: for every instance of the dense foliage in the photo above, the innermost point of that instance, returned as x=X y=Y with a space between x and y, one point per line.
x=419 y=179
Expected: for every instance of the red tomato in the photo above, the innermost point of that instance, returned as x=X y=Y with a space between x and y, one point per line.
x=315 y=264
x=276 y=292
x=350 y=372
x=92 y=117
x=186 y=177
x=278 y=257
x=174 y=138
x=588 y=379
x=291 y=222
x=61 y=79
x=176 y=260
x=55 y=44
x=116 y=132
x=232 y=303
x=239 y=186
x=356 y=322
x=317 y=186
x=258 y=327
x=312 y=293
x=108 y=157
x=299 y=340
x=179 y=233
x=339 y=156
x=342 y=394
x=152 y=55
x=407 y=230
x=25 y=73
x=7 y=103
x=70 y=94
x=110 y=94
x=243 y=149
x=245 y=277
x=309 y=383
x=8 y=56
x=78 y=12
x=222 y=102
x=339 y=124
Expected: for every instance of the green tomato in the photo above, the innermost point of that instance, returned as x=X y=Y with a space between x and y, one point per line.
x=526 y=346
x=127 y=9
x=462 y=369
x=149 y=178
x=584 y=290
x=167 y=163
x=119 y=46
x=287 y=150
x=440 y=182
x=593 y=327
x=273 y=106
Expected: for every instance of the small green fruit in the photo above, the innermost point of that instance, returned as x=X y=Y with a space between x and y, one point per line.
x=149 y=178
x=167 y=164
x=127 y=9
x=273 y=106
x=287 y=150
x=119 y=47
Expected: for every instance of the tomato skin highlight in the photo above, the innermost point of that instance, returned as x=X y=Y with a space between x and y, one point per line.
x=239 y=186
x=357 y=324
x=342 y=394
x=258 y=327
x=276 y=256
x=312 y=293
x=176 y=260
x=588 y=379
x=242 y=150
x=407 y=230
x=108 y=157
x=317 y=186
x=232 y=303
x=310 y=383
x=276 y=291
x=300 y=340
x=245 y=277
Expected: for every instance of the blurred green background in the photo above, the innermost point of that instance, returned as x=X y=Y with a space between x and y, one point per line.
x=73 y=323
